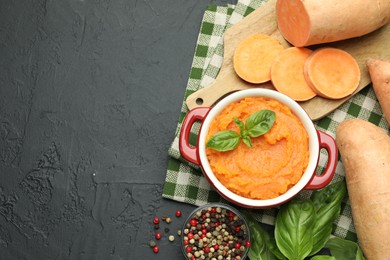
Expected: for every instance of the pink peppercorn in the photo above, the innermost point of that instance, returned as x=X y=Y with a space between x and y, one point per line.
x=193 y=222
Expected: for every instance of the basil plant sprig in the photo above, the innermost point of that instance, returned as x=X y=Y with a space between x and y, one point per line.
x=255 y=125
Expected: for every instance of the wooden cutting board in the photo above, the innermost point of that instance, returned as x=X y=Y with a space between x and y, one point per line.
x=263 y=20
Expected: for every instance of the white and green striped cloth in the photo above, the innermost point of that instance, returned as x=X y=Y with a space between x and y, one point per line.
x=184 y=181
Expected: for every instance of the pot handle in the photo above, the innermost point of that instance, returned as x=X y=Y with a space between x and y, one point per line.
x=329 y=144
x=188 y=152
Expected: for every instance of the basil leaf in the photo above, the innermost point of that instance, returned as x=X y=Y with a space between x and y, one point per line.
x=275 y=250
x=323 y=257
x=240 y=124
x=344 y=249
x=260 y=122
x=246 y=140
x=260 y=240
x=224 y=141
x=294 y=229
x=327 y=205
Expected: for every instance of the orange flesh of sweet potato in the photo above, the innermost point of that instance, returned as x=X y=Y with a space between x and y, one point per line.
x=332 y=73
x=380 y=76
x=365 y=153
x=287 y=74
x=310 y=22
x=253 y=57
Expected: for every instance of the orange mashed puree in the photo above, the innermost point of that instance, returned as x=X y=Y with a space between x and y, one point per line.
x=276 y=160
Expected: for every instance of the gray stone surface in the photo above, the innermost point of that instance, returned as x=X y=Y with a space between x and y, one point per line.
x=90 y=94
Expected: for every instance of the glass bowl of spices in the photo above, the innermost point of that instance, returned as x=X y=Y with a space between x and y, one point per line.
x=215 y=231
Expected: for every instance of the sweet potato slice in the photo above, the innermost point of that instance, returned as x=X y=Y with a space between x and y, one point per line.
x=309 y=22
x=287 y=74
x=380 y=76
x=332 y=73
x=253 y=57
x=365 y=153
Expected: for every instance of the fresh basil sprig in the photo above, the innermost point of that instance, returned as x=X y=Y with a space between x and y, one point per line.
x=260 y=246
x=303 y=227
x=344 y=249
x=255 y=125
x=327 y=205
x=293 y=229
x=224 y=141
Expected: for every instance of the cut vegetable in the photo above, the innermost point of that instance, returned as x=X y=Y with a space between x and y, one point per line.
x=253 y=57
x=309 y=22
x=287 y=74
x=365 y=153
x=332 y=73
x=380 y=76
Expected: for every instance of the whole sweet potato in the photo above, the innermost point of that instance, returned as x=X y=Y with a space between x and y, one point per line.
x=365 y=153
x=380 y=76
x=308 y=22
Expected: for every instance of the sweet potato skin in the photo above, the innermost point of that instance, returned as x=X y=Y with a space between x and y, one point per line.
x=365 y=153
x=380 y=76
x=309 y=22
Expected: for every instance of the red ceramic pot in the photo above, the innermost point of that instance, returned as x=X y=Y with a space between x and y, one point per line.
x=317 y=140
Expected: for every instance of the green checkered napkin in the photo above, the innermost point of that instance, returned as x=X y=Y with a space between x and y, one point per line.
x=184 y=181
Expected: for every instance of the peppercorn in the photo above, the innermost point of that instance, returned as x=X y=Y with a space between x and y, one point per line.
x=152 y=243
x=156 y=249
x=156 y=220
x=215 y=233
x=193 y=222
x=158 y=235
x=168 y=220
x=171 y=238
x=178 y=213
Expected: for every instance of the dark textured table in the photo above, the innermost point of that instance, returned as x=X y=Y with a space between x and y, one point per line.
x=90 y=94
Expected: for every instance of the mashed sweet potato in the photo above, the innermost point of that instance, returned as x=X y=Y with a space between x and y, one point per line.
x=277 y=159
